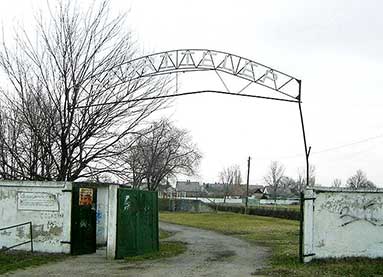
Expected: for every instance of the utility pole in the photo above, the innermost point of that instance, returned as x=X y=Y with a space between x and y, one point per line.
x=247 y=184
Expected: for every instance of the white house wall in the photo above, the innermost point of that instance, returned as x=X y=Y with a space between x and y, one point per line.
x=343 y=224
x=46 y=205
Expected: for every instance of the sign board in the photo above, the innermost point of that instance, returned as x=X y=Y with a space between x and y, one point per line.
x=85 y=197
x=37 y=201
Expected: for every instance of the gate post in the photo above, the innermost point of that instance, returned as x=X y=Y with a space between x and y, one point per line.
x=112 y=222
x=302 y=215
x=308 y=227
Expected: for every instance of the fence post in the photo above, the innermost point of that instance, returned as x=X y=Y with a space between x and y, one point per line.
x=30 y=232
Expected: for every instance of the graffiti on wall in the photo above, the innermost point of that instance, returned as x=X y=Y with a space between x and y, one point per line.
x=126 y=204
x=364 y=212
x=98 y=215
x=350 y=210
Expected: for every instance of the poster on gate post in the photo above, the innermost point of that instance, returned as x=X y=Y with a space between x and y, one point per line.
x=85 y=197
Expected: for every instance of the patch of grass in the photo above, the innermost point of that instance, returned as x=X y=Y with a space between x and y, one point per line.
x=165 y=234
x=285 y=212
x=282 y=236
x=12 y=260
x=287 y=207
x=167 y=249
x=231 y=223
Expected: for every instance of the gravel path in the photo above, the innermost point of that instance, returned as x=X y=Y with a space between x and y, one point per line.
x=208 y=254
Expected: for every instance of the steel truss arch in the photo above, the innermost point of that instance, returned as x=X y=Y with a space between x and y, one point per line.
x=191 y=60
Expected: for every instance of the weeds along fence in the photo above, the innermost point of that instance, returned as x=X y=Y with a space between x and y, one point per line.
x=272 y=211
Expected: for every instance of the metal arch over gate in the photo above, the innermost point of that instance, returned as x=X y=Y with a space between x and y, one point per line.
x=190 y=60
x=287 y=87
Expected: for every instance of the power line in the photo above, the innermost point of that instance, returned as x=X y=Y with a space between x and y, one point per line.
x=332 y=148
x=348 y=144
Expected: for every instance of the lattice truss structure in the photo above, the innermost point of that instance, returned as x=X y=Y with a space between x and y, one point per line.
x=189 y=60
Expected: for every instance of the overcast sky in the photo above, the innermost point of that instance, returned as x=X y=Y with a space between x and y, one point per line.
x=334 y=47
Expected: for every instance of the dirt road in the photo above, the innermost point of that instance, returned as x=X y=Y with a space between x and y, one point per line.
x=208 y=254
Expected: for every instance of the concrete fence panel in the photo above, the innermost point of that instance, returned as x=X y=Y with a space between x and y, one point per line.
x=342 y=223
x=46 y=204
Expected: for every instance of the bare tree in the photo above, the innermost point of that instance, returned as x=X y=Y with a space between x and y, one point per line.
x=289 y=183
x=229 y=177
x=302 y=176
x=274 y=177
x=360 y=181
x=301 y=183
x=237 y=175
x=337 y=183
x=25 y=150
x=312 y=175
x=159 y=152
x=56 y=124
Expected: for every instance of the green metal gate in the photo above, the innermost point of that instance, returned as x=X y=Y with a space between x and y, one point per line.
x=83 y=229
x=137 y=222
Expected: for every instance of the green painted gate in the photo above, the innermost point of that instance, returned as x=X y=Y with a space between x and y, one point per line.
x=137 y=222
x=83 y=227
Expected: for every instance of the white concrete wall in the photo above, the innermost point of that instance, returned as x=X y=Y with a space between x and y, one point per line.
x=279 y=201
x=342 y=223
x=240 y=200
x=43 y=203
x=112 y=222
x=102 y=215
x=215 y=200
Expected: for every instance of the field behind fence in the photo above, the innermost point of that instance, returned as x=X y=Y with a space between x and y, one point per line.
x=286 y=212
x=278 y=211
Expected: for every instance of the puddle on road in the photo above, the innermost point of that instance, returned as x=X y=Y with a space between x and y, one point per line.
x=221 y=255
x=130 y=267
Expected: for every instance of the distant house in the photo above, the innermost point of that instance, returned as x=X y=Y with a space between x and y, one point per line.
x=256 y=191
x=218 y=190
x=214 y=186
x=214 y=189
x=241 y=191
x=237 y=191
x=189 y=188
x=166 y=191
x=280 y=193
